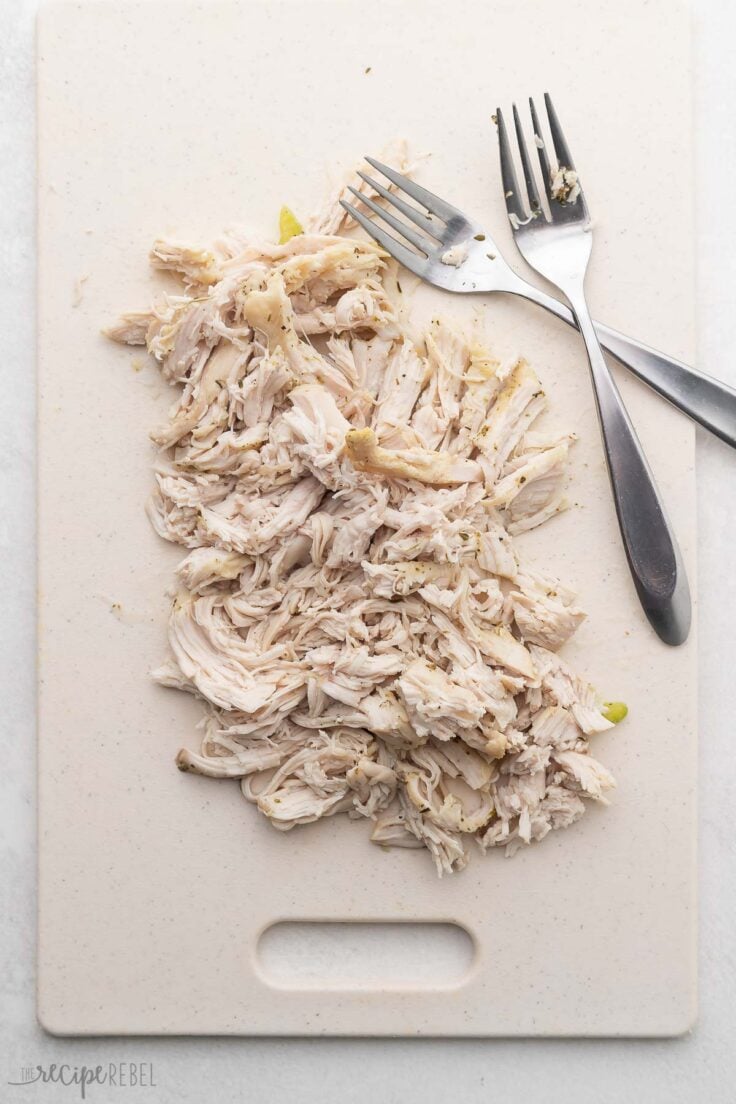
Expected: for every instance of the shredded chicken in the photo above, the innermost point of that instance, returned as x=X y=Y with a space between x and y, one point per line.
x=456 y=255
x=564 y=185
x=352 y=610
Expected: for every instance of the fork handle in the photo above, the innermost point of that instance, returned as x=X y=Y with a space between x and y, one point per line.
x=651 y=547
x=706 y=400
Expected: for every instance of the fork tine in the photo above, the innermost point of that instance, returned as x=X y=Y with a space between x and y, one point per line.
x=514 y=199
x=419 y=218
x=541 y=149
x=420 y=241
x=531 y=184
x=403 y=255
x=564 y=157
x=432 y=202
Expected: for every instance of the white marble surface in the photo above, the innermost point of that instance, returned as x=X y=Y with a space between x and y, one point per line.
x=699 y=1067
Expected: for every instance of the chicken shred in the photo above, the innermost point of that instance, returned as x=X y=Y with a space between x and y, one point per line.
x=352 y=611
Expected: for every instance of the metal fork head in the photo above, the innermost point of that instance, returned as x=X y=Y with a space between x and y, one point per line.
x=430 y=237
x=555 y=240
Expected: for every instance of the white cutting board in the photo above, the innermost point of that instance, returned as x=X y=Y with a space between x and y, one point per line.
x=154 y=886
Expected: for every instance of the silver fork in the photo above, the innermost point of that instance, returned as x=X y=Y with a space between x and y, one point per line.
x=558 y=246
x=441 y=226
x=653 y=555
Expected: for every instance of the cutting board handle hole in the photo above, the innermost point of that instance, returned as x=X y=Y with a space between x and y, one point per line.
x=367 y=955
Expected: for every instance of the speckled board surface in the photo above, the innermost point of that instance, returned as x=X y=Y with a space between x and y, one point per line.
x=154 y=886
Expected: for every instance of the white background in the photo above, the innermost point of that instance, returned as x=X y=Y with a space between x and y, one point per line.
x=701 y=1067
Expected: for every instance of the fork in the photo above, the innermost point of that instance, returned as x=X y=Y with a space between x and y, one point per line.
x=706 y=400
x=558 y=246
x=432 y=234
